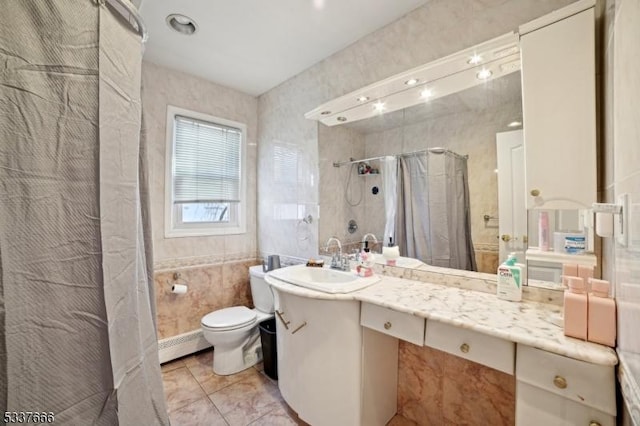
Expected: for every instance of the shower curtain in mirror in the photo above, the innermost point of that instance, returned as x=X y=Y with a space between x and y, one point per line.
x=433 y=220
x=77 y=332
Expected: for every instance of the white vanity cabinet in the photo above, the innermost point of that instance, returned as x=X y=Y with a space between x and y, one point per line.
x=559 y=108
x=324 y=358
x=556 y=390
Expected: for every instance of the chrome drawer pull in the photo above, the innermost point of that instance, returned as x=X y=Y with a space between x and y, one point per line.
x=560 y=382
x=299 y=327
x=387 y=325
x=464 y=348
x=285 y=323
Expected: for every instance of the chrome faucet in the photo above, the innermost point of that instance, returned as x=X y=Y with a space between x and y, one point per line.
x=337 y=260
x=364 y=239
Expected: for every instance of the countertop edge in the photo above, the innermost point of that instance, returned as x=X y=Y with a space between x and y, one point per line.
x=630 y=384
x=608 y=358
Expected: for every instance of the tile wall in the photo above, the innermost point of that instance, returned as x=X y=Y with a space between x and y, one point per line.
x=215 y=268
x=621 y=160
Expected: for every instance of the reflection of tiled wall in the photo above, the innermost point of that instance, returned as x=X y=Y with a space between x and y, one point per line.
x=211 y=287
x=438 y=28
x=487 y=261
x=471 y=133
x=435 y=388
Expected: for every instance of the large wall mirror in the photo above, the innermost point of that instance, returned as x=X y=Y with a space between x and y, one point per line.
x=457 y=121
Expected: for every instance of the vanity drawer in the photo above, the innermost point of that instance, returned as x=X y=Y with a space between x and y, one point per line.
x=491 y=351
x=397 y=324
x=589 y=384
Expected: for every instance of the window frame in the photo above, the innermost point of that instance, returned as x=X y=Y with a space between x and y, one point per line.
x=172 y=229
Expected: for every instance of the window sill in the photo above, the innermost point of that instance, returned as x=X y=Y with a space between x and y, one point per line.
x=204 y=232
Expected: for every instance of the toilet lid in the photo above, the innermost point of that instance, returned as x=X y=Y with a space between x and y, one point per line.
x=236 y=316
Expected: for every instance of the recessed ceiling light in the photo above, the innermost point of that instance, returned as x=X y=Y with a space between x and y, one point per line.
x=475 y=59
x=515 y=124
x=325 y=113
x=379 y=106
x=362 y=99
x=426 y=93
x=484 y=74
x=411 y=81
x=182 y=24
x=341 y=118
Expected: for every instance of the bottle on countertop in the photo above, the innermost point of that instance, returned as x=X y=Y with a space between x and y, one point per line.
x=575 y=308
x=390 y=253
x=510 y=280
x=602 y=314
x=568 y=270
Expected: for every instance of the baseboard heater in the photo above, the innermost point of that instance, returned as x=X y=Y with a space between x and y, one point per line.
x=181 y=345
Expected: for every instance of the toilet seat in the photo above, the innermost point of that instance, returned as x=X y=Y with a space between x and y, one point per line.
x=229 y=319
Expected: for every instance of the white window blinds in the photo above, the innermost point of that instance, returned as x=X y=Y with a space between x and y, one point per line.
x=206 y=162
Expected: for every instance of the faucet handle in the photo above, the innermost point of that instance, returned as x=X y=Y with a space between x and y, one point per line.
x=345 y=263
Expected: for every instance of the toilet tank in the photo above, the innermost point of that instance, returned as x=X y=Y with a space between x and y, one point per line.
x=260 y=290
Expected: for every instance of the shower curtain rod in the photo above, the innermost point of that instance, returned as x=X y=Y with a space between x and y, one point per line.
x=406 y=154
x=130 y=14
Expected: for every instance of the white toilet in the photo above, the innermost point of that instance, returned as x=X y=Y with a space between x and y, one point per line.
x=234 y=332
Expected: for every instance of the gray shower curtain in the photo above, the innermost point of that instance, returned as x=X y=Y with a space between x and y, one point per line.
x=77 y=332
x=433 y=221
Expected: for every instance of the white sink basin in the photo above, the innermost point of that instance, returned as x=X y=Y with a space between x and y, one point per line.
x=323 y=279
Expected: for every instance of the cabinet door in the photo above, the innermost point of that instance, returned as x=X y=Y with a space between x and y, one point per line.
x=320 y=364
x=559 y=108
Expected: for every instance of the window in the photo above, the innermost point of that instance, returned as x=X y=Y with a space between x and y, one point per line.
x=205 y=182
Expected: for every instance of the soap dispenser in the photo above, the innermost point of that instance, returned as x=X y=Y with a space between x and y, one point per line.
x=575 y=308
x=602 y=314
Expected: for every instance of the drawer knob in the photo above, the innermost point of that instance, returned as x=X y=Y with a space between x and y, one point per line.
x=535 y=192
x=464 y=348
x=560 y=382
x=593 y=423
x=387 y=325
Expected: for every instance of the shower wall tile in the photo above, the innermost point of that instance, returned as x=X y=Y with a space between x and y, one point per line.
x=438 y=28
x=437 y=388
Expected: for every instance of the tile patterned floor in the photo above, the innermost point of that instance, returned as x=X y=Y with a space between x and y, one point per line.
x=198 y=397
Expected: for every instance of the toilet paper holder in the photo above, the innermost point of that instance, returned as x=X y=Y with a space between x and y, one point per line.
x=177 y=279
x=619 y=209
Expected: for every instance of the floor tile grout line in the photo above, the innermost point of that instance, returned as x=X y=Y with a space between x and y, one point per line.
x=207 y=395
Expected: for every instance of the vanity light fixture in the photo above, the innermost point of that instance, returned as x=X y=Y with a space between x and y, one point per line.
x=484 y=74
x=515 y=124
x=411 y=82
x=182 y=24
x=426 y=93
x=475 y=59
x=342 y=119
x=362 y=98
x=379 y=106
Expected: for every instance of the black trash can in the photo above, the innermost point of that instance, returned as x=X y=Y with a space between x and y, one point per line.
x=269 y=350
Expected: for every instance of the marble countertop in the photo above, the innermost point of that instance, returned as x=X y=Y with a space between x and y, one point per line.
x=523 y=322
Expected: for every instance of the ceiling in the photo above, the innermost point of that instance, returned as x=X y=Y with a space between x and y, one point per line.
x=254 y=45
